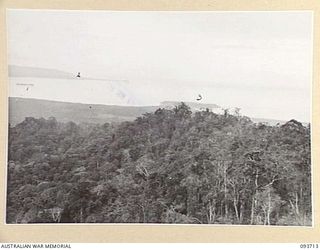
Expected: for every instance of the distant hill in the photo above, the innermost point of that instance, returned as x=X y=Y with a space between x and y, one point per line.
x=19 y=108
x=23 y=71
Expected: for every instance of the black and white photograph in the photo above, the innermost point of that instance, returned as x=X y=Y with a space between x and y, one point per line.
x=159 y=117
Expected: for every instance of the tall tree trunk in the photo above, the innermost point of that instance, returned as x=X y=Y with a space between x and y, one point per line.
x=269 y=206
x=254 y=197
x=241 y=212
x=252 y=209
x=225 y=192
x=144 y=214
x=297 y=204
x=235 y=203
x=211 y=212
x=302 y=204
x=81 y=215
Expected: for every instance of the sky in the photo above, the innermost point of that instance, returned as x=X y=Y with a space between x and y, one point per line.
x=260 y=62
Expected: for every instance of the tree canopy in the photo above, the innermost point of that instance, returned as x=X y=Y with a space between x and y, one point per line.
x=170 y=166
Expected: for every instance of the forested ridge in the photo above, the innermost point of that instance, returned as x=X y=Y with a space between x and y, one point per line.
x=170 y=166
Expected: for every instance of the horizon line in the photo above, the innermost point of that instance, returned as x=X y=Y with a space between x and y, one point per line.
x=115 y=105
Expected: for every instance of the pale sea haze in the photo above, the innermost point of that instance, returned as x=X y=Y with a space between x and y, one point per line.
x=260 y=62
x=271 y=105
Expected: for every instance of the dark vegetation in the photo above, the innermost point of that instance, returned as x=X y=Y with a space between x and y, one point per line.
x=170 y=166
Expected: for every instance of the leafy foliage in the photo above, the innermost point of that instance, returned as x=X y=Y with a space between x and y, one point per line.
x=170 y=166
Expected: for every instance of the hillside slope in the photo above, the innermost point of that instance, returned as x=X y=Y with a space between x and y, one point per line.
x=19 y=108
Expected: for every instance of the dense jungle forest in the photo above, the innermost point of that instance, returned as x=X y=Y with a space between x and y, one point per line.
x=169 y=166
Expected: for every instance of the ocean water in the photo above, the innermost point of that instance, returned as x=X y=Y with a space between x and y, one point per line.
x=257 y=102
x=94 y=91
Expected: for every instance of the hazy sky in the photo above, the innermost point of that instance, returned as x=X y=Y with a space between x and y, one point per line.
x=258 y=61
